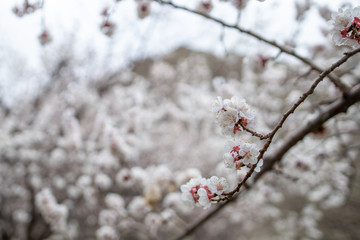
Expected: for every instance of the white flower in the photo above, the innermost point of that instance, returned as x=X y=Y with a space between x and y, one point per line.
x=106 y=233
x=227 y=121
x=217 y=105
x=124 y=178
x=114 y=201
x=235 y=103
x=204 y=200
x=107 y=217
x=173 y=200
x=162 y=174
x=103 y=181
x=83 y=181
x=186 y=189
x=233 y=145
x=153 y=222
x=229 y=160
x=232 y=114
x=138 y=207
x=196 y=192
x=245 y=113
x=346 y=27
x=240 y=154
x=248 y=153
x=259 y=165
x=218 y=185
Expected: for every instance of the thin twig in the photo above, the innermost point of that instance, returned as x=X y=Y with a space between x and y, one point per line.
x=312 y=88
x=255 y=134
x=339 y=106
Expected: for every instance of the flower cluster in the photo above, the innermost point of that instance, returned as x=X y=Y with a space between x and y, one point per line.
x=233 y=114
x=201 y=190
x=241 y=154
x=346 y=27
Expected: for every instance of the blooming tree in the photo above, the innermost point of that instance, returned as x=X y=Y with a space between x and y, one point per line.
x=129 y=154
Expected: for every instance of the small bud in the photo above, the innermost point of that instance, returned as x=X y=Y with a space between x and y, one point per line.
x=107 y=28
x=45 y=38
x=204 y=7
x=143 y=8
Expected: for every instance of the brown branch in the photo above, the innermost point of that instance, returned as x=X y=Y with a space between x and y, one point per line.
x=339 y=106
x=255 y=134
x=312 y=88
x=288 y=51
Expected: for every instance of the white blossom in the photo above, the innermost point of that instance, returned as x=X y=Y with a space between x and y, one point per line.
x=248 y=153
x=138 y=207
x=218 y=185
x=106 y=233
x=346 y=27
x=194 y=192
x=103 y=181
x=232 y=114
x=108 y=217
x=124 y=178
x=204 y=200
x=239 y=153
x=114 y=201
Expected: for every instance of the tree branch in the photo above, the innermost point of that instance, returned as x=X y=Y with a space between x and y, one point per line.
x=312 y=88
x=271 y=135
x=339 y=106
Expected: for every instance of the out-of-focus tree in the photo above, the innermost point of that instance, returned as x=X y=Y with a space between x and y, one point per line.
x=127 y=154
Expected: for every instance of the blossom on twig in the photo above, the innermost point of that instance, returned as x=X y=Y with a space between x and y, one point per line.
x=346 y=27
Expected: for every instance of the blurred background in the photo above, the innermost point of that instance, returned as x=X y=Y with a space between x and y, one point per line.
x=105 y=114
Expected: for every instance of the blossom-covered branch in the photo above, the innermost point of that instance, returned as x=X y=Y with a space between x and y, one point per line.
x=339 y=106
